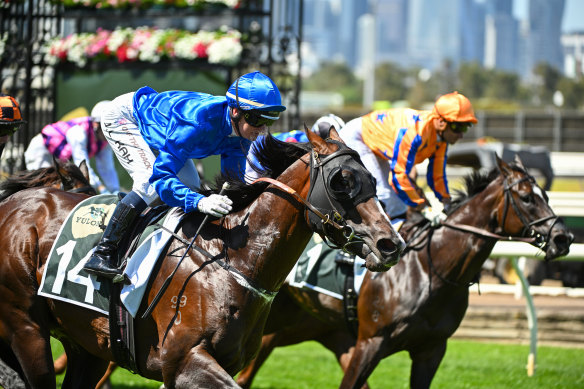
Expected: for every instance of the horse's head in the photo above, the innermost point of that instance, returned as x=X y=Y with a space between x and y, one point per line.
x=523 y=210
x=348 y=213
x=73 y=178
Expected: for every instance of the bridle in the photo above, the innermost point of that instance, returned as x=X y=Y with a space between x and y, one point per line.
x=528 y=233
x=324 y=217
x=538 y=239
x=87 y=189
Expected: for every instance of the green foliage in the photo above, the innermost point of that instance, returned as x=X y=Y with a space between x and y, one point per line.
x=466 y=365
x=392 y=78
x=487 y=88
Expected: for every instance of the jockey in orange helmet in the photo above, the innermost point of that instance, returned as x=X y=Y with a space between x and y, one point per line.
x=10 y=119
x=392 y=141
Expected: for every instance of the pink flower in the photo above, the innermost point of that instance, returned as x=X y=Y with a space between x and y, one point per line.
x=201 y=50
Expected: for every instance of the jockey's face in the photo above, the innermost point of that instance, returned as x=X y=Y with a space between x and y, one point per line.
x=248 y=131
x=451 y=136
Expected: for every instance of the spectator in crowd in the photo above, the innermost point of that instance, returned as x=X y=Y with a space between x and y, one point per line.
x=392 y=141
x=77 y=139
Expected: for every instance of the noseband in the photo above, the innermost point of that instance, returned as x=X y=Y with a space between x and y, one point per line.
x=330 y=222
x=528 y=234
x=539 y=240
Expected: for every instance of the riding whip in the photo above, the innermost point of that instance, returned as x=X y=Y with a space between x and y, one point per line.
x=169 y=278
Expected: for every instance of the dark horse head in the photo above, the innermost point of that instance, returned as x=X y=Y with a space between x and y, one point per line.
x=341 y=203
x=522 y=211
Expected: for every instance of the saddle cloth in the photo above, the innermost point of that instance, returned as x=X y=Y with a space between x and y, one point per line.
x=63 y=276
x=318 y=270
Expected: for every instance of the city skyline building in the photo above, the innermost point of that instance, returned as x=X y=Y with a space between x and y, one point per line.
x=431 y=35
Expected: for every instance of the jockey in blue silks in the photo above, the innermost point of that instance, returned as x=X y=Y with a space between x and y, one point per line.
x=155 y=136
x=323 y=124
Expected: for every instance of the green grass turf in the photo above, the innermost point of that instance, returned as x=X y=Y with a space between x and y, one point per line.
x=466 y=365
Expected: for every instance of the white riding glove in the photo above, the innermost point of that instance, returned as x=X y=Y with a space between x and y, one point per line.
x=434 y=216
x=215 y=205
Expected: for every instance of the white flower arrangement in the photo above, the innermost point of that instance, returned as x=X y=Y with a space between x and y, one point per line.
x=143 y=4
x=146 y=44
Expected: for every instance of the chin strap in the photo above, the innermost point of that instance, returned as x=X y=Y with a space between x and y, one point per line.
x=235 y=121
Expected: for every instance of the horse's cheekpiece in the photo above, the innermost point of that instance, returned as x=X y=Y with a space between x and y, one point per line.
x=344 y=183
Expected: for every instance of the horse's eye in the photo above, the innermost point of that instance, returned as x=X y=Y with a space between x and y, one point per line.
x=526 y=198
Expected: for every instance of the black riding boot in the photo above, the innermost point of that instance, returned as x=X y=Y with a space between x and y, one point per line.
x=102 y=261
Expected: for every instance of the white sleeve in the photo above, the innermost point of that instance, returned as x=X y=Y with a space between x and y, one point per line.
x=77 y=138
x=104 y=162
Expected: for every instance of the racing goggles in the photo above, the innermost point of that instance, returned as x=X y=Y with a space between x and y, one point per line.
x=460 y=127
x=260 y=118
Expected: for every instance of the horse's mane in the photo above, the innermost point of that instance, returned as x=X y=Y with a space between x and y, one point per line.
x=273 y=158
x=474 y=183
x=38 y=178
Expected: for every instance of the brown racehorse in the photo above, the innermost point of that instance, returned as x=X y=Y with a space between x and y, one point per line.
x=420 y=303
x=65 y=176
x=227 y=284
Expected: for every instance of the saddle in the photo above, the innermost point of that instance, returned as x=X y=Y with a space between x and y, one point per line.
x=121 y=322
x=64 y=278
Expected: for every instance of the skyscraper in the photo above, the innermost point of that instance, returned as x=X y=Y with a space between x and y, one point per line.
x=544 y=34
x=501 y=40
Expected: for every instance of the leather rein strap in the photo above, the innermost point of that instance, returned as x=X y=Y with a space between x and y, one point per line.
x=325 y=218
x=480 y=231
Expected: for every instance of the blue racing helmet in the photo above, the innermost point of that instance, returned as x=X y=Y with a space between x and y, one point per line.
x=255 y=91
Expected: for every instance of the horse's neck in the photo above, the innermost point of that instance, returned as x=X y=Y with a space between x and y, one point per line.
x=457 y=255
x=278 y=231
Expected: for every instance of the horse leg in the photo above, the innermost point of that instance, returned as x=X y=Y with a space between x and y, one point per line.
x=60 y=364
x=364 y=360
x=341 y=343
x=84 y=370
x=105 y=380
x=425 y=364
x=198 y=370
x=32 y=348
x=269 y=342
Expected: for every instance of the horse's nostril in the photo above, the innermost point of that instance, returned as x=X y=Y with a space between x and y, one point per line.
x=562 y=240
x=386 y=246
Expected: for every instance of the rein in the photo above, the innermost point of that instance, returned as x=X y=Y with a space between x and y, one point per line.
x=325 y=218
x=535 y=239
x=336 y=221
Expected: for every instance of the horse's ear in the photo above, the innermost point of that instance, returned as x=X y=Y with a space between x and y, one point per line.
x=59 y=169
x=84 y=169
x=333 y=134
x=315 y=140
x=518 y=162
x=504 y=168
